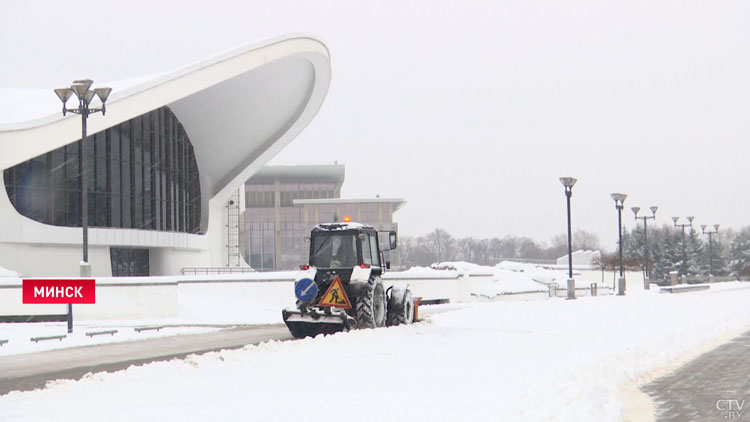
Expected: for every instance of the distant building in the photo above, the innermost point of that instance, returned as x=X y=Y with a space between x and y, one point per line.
x=582 y=259
x=283 y=203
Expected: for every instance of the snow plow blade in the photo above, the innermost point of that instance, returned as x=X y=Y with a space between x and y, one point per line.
x=311 y=322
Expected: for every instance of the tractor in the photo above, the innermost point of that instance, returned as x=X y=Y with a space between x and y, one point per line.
x=341 y=287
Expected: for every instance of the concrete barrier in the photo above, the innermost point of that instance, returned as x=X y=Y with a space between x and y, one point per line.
x=684 y=288
x=236 y=295
x=116 y=298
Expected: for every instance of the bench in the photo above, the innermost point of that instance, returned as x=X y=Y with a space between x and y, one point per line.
x=38 y=339
x=3 y=342
x=139 y=329
x=684 y=288
x=434 y=301
x=99 y=333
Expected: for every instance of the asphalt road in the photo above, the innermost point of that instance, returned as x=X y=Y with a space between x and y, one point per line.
x=33 y=370
x=713 y=387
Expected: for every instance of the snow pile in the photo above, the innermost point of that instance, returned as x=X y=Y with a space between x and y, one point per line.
x=421 y=272
x=463 y=267
x=507 y=282
x=537 y=273
x=532 y=361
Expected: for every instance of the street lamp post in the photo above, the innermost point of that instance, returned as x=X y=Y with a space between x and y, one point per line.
x=710 y=232
x=683 y=267
x=619 y=199
x=568 y=182
x=81 y=89
x=646 y=273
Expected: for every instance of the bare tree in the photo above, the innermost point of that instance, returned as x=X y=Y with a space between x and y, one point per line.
x=441 y=243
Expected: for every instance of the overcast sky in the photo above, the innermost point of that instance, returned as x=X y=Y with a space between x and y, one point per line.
x=471 y=111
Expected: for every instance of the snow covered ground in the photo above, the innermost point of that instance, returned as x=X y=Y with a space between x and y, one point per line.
x=548 y=360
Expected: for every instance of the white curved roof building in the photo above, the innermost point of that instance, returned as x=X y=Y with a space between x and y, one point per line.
x=165 y=164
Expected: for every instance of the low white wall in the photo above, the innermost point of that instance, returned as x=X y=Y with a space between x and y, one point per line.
x=116 y=298
x=454 y=285
x=11 y=302
x=633 y=279
x=240 y=302
x=236 y=297
x=514 y=297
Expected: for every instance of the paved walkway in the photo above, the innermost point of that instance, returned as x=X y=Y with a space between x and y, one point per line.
x=713 y=387
x=33 y=370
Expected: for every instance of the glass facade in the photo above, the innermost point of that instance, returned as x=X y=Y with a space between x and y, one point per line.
x=141 y=174
x=127 y=262
x=261 y=222
x=260 y=227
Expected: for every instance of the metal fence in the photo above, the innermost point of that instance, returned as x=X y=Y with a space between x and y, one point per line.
x=525 y=261
x=216 y=270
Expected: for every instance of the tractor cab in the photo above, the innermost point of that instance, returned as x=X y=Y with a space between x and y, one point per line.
x=348 y=245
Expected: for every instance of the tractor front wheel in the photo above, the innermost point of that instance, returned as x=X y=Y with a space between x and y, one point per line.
x=401 y=308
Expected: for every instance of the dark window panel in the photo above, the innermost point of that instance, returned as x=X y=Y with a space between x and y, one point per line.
x=141 y=173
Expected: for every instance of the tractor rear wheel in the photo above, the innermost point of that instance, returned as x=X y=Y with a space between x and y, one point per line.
x=371 y=305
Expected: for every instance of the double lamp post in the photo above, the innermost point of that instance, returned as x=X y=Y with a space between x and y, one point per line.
x=619 y=199
x=645 y=218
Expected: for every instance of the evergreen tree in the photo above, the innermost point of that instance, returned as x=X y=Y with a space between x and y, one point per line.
x=697 y=260
x=633 y=244
x=718 y=250
x=740 y=261
x=671 y=257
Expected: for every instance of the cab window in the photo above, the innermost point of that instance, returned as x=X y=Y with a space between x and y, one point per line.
x=374 y=249
x=366 y=253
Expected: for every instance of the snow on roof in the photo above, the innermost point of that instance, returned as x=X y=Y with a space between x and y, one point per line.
x=20 y=107
x=342 y=226
x=4 y=272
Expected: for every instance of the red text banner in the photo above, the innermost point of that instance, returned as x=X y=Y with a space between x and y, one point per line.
x=45 y=291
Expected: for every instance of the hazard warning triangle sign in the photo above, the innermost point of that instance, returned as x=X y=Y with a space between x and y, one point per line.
x=335 y=296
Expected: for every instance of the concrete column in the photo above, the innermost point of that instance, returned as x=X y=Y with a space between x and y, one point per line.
x=277 y=225
x=571 y=288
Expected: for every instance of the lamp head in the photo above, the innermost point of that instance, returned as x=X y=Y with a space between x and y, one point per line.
x=716 y=226
x=703 y=228
x=675 y=220
x=635 y=211
x=103 y=93
x=84 y=82
x=64 y=94
x=568 y=182
x=690 y=219
x=619 y=197
x=653 y=209
x=89 y=96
